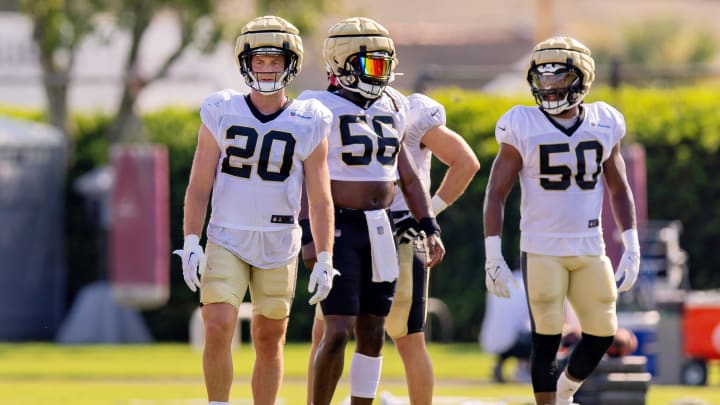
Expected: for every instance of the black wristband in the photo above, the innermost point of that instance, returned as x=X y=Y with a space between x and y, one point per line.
x=429 y=225
x=306 y=232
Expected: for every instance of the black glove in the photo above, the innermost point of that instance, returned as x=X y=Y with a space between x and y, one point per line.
x=406 y=227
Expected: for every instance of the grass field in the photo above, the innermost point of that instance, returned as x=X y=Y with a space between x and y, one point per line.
x=170 y=374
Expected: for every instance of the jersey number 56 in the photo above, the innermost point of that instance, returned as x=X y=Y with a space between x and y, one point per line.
x=383 y=143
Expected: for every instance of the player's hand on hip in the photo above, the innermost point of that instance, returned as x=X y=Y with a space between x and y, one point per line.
x=436 y=250
x=629 y=267
x=321 y=278
x=193 y=261
x=498 y=276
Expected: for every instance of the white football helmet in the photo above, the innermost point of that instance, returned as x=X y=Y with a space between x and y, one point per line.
x=560 y=74
x=269 y=35
x=361 y=55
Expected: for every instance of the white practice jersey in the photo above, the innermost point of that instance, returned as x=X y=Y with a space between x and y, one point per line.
x=425 y=113
x=364 y=143
x=258 y=183
x=561 y=178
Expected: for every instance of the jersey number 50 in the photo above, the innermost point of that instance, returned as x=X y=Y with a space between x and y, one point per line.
x=263 y=161
x=564 y=171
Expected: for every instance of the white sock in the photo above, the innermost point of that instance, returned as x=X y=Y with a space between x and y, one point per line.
x=217 y=403
x=566 y=388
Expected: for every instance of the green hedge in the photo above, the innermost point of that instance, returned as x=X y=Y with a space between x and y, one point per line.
x=679 y=128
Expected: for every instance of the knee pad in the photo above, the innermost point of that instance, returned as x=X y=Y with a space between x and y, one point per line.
x=602 y=321
x=275 y=308
x=396 y=321
x=587 y=355
x=543 y=366
x=364 y=375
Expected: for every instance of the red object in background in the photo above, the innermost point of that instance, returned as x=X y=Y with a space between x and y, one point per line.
x=139 y=228
x=701 y=325
x=634 y=156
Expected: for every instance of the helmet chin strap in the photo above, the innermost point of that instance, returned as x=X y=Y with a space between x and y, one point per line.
x=555 y=107
x=267 y=88
x=559 y=106
x=369 y=90
x=355 y=85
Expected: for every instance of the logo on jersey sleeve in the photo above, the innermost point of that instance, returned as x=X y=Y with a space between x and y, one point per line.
x=298 y=115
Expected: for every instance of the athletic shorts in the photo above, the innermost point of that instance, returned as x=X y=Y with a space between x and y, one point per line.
x=588 y=282
x=353 y=291
x=226 y=279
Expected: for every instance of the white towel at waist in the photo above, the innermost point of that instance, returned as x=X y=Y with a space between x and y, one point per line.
x=382 y=246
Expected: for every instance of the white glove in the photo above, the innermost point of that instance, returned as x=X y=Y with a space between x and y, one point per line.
x=497 y=273
x=630 y=262
x=321 y=277
x=192 y=256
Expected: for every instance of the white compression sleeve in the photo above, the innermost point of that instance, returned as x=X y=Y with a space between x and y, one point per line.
x=364 y=375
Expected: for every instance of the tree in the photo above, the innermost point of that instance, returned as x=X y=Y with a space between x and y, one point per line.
x=135 y=16
x=659 y=51
x=59 y=26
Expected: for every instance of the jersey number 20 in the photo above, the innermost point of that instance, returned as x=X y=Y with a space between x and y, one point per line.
x=269 y=140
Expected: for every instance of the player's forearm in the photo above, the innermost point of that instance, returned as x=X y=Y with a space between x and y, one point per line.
x=623 y=208
x=194 y=212
x=417 y=198
x=493 y=215
x=322 y=225
x=456 y=180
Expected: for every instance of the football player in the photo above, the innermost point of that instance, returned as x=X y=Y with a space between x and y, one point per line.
x=426 y=135
x=365 y=157
x=565 y=153
x=254 y=152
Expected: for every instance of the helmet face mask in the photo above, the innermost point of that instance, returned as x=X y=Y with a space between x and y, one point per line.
x=560 y=74
x=269 y=36
x=252 y=78
x=361 y=56
x=556 y=87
